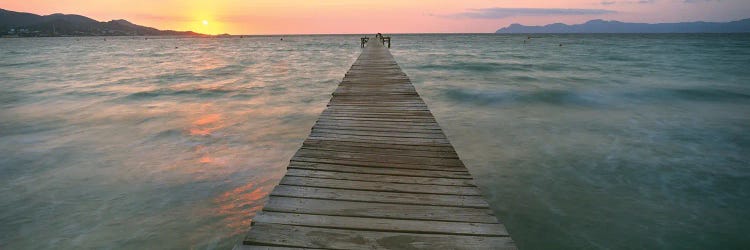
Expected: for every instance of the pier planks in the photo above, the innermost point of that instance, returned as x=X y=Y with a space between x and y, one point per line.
x=376 y=172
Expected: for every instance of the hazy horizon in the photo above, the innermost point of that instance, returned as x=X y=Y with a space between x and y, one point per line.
x=407 y=33
x=356 y=17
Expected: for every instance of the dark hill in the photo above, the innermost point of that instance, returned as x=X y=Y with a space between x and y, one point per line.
x=28 y=24
x=601 y=26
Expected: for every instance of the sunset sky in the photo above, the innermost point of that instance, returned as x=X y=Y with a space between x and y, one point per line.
x=387 y=16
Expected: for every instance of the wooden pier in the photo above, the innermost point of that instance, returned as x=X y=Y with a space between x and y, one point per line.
x=376 y=172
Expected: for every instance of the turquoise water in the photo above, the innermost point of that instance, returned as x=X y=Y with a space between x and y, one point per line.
x=166 y=143
x=608 y=141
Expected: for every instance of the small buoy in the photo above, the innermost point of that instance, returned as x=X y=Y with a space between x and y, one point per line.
x=176 y=47
x=282 y=39
x=561 y=45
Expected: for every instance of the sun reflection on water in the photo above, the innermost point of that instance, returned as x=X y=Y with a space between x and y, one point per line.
x=206 y=124
x=239 y=205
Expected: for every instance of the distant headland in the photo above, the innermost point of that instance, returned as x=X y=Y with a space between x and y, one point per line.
x=601 y=26
x=20 y=24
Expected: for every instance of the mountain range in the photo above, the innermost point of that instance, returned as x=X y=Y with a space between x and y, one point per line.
x=28 y=24
x=601 y=26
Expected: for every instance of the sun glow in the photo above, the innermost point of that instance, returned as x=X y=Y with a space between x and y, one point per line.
x=206 y=23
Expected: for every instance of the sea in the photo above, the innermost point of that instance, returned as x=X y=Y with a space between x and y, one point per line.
x=580 y=141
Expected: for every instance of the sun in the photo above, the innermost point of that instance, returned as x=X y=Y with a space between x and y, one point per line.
x=205 y=22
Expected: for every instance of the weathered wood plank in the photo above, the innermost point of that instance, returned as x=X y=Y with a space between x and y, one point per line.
x=410 y=117
x=313 y=173
x=362 y=105
x=380 y=196
x=378 y=210
x=381 y=139
x=383 y=145
x=378 y=186
x=301 y=236
x=377 y=129
x=396 y=125
x=409 y=134
x=369 y=156
x=378 y=170
x=402 y=120
x=380 y=224
x=373 y=164
x=377 y=110
x=381 y=151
